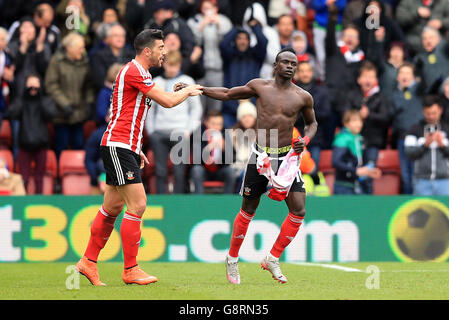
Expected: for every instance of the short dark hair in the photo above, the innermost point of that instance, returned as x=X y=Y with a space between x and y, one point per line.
x=288 y=49
x=213 y=113
x=367 y=66
x=430 y=100
x=407 y=64
x=146 y=38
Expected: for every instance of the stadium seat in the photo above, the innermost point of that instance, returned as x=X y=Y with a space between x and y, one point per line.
x=7 y=155
x=325 y=166
x=51 y=172
x=390 y=182
x=5 y=135
x=213 y=186
x=73 y=173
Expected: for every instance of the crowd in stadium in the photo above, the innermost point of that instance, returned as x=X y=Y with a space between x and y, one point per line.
x=378 y=71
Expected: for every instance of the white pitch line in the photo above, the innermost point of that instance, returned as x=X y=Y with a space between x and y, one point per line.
x=326 y=265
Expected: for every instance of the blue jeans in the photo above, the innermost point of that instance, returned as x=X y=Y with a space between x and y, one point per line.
x=406 y=169
x=315 y=152
x=339 y=189
x=66 y=134
x=439 y=187
x=370 y=154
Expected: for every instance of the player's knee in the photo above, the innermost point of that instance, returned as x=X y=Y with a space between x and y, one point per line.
x=300 y=212
x=114 y=209
x=139 y=207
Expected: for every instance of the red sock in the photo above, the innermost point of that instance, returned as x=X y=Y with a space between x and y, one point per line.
x=100 y=231
x=130 y=232
x=289 y=229
x=239 y=229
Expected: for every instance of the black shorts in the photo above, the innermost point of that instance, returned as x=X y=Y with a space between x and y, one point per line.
x=122 y=166
x=255 y=184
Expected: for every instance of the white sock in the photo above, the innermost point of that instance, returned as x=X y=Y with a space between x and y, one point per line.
x=271 y=257
x=232 y=259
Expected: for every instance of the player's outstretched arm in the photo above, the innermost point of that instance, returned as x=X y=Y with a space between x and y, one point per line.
x=220 y=93
x=172 y=99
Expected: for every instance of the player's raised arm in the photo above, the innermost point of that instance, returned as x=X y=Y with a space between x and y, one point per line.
x=172 y=99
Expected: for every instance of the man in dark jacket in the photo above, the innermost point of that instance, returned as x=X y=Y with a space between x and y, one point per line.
x=33 y=110
x=115 y=51
x=376 y=118
x=343 y=61
x=212 y=154
x=305 y=79
x=241 y=63
x=427 y=145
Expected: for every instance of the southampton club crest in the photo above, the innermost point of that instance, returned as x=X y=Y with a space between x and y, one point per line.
x=130 y=175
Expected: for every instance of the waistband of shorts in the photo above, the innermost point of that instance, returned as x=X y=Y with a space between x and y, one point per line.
x=279 y=151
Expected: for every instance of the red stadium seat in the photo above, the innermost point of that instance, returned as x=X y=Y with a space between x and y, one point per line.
x=213 y=186
x=390 y=182
x=88 y=127
x=73 y=173
x=7 y=155
x=325 y=166
x=5 y=135
x=150 y=174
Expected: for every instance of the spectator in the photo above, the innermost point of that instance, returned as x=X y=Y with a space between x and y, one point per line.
x=321 y=28
x=444 y=100
x=243 y=137
x=115 y=51
x=192 y=64
x=414 y=15
x=69 y=83
x=305 y=79
x=300 y=45
x=387 y=66
x=166 y=18
x=285 y=27
x=241 y=63
x=104 y=97
x=93 y=162
x=6 y=72
x=10 y=183
x=256 y=14
x=405 y=109
x=369 y=27
x=343 y=61
x=29 y=54
x=33 y=110
x=373 y=107
x=66 y=12
x=213 y=146
x=209 y=28
x=110 y=18
x=163 y=124
x=43 y=17
x=432 y=65
x=347 y=156
x=427 y=145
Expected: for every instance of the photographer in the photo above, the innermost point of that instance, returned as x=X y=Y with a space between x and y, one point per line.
x=428 y=146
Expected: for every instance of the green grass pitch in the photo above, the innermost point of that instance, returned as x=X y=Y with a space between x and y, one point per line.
x=204 y=281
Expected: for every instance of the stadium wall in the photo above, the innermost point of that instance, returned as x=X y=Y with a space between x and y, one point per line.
x=197 y=228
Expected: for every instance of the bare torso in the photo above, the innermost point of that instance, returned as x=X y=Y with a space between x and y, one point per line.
x=277 y=110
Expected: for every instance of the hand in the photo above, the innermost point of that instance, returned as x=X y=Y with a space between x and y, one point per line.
x=194 y=90
x=435 y=23
x=143 y=160
x=364 y=112
x=299 y=145
x=40 y=41
x=8 y=73
x=424 y=12
x=180 y=85
x=24 y=42
x=330 y=2
x=380 y=34
x=196 y=54
x=253 y=22
x=438 y=137
x=369 y=172
x=429 y=139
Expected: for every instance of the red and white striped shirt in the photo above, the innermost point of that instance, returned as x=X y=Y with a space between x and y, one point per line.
x=129 y=108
